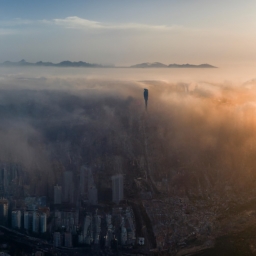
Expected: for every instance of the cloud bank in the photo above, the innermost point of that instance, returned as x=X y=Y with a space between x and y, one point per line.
x=201 y=136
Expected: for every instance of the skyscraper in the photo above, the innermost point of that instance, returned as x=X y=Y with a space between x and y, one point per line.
x=16 y=219
x=68 y=240
x=3 y=211
x=43 y=224
x=57 y=239
x=87 y=185
x=117 y=188
x=86 y=179
x=35 y=225
x=27 y=220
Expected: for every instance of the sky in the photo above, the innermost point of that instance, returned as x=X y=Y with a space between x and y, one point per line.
x=220 y=32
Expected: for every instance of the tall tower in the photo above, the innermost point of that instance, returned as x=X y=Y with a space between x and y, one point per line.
x=117 y=188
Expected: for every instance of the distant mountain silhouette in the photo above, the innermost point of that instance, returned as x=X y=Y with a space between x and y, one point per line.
x=65 y=63
x=190 y=66
x=150 y=65
x=68 y=63
x=161 y=65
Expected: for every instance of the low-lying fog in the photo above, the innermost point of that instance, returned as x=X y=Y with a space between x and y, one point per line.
x=201 y=123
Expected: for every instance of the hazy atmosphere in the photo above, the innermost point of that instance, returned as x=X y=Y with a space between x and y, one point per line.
x=197 y=126
x=128 y=127
x=128 y=32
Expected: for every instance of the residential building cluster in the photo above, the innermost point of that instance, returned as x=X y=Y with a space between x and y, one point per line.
x=73 y=217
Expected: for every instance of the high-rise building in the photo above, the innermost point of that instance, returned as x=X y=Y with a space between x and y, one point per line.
x=27 y=220
x=68 y=187
x=57 y=194
x=87 y=185
x=68 y=240
x=86 y=180
x=35 y=226
x=117 y=188
x=123 y=235
x=3 y=211
x=16 y=219
x=10 y=179
x=96 y=228
x=43 y=223
x=57 y=219
x=57 y=239
x=87 y=234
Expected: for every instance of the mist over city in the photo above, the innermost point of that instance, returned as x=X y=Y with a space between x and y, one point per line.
x=188 y=159
x=127 y=128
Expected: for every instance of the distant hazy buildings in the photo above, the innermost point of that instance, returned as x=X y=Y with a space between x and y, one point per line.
x=117 y=188
x=87 y=186
x=43 y=223
x=87 y=235
x=93 y=195
x=28 y=218
x=68 y=187
x=83 y=186
x=35 y=223
x=57 y=194
x=57 y=239
x=16 y=219
x=3 y=211
x=10 y=179
x=68 y=239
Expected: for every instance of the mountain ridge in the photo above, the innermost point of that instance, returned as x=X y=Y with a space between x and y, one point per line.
x=68 y=63
x=65 y=63
x=174 y=65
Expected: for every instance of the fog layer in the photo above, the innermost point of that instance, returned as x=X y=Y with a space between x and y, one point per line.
x=200 y=135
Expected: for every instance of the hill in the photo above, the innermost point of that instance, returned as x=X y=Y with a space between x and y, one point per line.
x=161 y=65
x=66 y=63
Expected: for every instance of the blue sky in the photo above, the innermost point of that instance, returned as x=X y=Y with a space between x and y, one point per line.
x=129 y=31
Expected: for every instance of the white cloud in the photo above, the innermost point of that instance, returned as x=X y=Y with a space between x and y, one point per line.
x=15 y=26
x=75 y=22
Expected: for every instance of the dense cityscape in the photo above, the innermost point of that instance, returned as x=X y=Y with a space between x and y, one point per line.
x=127 y=128
x=74 y=218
